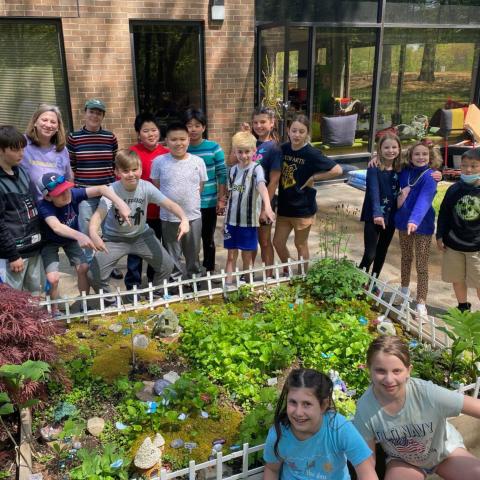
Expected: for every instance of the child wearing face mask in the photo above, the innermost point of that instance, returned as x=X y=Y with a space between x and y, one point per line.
x=458 y=230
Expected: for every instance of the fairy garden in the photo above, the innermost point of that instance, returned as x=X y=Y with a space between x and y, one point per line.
x=123 y=396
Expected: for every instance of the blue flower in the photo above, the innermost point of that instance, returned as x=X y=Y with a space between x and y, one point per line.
x=363 y=320
x=117 y=463
x=120 y=426
x=413 y=344
x=152 y=407
x=327 y=355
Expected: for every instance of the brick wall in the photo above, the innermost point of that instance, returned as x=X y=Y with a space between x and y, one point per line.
x=99 y=59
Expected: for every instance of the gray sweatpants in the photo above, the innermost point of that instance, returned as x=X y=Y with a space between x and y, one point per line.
x=146 y=246
x=189 y=245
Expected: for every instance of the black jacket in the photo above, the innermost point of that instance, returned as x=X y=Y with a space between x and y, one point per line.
x=19 y=221
x=459 y=218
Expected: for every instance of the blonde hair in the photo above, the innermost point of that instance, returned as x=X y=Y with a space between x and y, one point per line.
x=59 y=139
x=244 y=140
x=434 y=157
x=391 y=345
x=126 y=159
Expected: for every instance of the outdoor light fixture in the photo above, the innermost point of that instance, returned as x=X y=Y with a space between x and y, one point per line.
x=218 y=10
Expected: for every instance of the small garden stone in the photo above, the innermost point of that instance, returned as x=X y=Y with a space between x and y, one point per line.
x=160 y=385
x=95 y=426
x=147 y=455
x=177 y=443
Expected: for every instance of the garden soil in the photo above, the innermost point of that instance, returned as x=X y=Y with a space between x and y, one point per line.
x=329 y=197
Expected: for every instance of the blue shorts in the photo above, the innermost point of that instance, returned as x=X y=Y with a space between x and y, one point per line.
x=240 y=238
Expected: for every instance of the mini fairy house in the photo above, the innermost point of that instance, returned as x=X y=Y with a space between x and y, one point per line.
x=165 y=324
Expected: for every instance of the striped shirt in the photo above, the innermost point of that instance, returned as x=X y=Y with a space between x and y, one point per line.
x=92 y=156
x=244 y=202
x=214 y=158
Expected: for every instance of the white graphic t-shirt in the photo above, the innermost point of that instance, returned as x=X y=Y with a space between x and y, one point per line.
x=419 y=433
x=138 y=201
x=180 y=181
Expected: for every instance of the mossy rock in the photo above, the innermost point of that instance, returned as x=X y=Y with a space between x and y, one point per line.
x=115 y=361
x=200 y=430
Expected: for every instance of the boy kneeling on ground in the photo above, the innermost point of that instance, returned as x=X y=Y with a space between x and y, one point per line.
x=121 y=238
x=59 y=209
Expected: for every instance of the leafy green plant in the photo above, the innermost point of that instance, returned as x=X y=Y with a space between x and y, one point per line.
x=107 y=465
x=330 y=280
x=465 y=334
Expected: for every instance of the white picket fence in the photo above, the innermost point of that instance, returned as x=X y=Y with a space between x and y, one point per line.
x=154 y=296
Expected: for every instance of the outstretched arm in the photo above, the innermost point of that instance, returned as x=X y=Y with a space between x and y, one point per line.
x=174 y=208
x=94 y=227
x=104 y=191
x=65 y=231
x=471 y=406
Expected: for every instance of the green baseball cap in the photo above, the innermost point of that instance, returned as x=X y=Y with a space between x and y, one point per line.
x=95 y=103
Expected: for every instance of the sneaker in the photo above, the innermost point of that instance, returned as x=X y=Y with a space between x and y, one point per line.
x=422 y=314
x=398 y=300
x=116 y=274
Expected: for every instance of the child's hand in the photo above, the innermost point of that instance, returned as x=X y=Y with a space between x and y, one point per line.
x=85 y=242
x=373 y=161
x=269 y=215
x=440 y=244
x=124 y=213
x=17 y=265
x=183 y=228
x=99 y=244
x=245 y=127
x=437 y=175
x=379 y=221
x=411 y=228
x=221 y=204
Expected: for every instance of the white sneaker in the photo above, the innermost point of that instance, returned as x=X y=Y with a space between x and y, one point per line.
x=398 y=300
x=422 y=314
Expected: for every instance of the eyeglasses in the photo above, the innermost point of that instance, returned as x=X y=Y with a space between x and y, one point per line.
x=54 y=183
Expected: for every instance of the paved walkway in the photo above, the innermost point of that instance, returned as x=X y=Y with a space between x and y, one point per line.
x=330 y=197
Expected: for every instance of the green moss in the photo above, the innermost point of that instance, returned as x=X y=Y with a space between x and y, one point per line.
x=202 y=431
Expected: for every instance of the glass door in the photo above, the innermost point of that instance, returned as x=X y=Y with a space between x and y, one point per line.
x=284 y=72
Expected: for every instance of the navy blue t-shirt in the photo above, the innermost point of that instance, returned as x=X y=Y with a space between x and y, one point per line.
x=297 y=167
x=67 y=215
x=269 y=156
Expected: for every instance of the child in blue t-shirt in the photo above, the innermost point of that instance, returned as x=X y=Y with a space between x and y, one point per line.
x=59 y=210
x=309 y=440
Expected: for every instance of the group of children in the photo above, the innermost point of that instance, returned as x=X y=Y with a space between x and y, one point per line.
x=406 y=416
x=399 y=195
x=70 y=184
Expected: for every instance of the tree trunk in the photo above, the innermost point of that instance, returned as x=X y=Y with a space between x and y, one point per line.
x=427 y=70
x=24 y=457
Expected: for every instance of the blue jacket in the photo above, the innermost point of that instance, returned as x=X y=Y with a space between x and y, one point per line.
x=417 y=208
x=380 y=196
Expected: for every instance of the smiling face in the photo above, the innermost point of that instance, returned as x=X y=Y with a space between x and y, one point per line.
x=149 y=135
x=244 y=155
x=177 y=142
x=420 y=156
x=129 y=176
x=46 y=126
x=93 y=119
x=304 y=412
x=389 y=150
x=389 y=376
x=195 y=131
x=262 y=126
x=298 y=133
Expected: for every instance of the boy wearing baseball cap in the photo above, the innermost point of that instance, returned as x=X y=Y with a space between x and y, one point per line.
x=59 y=209
x=92 y=151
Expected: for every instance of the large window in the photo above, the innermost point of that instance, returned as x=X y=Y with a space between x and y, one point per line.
x=342 y=88
x=424 y=70
x=433 y=11
x=168 y=67
x=32 y=70
x=316 y=10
